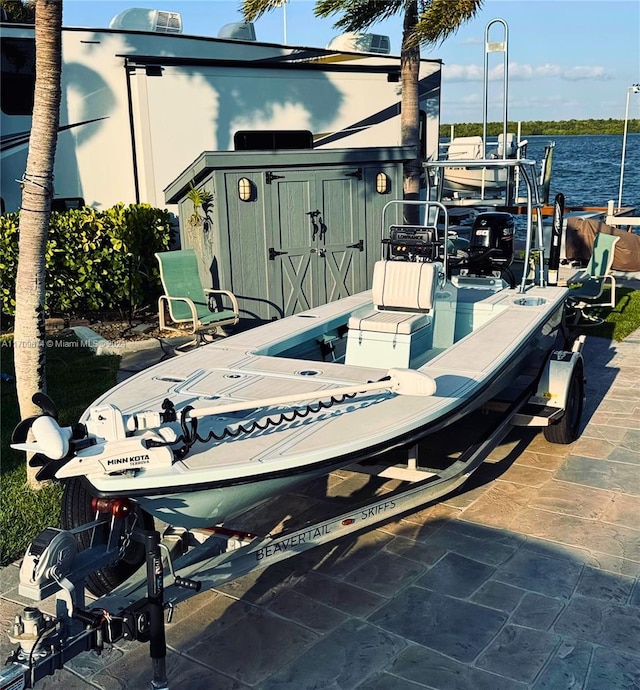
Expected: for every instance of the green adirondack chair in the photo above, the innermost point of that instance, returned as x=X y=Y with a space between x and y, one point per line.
x=187 y=301
x=588 y=285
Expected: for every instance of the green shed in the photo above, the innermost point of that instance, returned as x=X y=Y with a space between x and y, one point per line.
x=287 y=230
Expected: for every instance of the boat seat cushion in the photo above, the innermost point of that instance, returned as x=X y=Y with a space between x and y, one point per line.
x=403 y=295
x=397 y=322
x=405 y=285
x=465 y=148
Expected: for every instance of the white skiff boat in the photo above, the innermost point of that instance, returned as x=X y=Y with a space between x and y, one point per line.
x=459 y=178
x=202 y=437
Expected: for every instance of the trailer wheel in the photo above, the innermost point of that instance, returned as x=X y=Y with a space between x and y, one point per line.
x=76 y=511
x=566 y=430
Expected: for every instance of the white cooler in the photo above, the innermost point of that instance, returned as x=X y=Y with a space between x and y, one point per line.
x=398 y=330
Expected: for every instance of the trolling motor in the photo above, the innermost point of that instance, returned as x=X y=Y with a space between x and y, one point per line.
x=115 y=443
x=107 y=432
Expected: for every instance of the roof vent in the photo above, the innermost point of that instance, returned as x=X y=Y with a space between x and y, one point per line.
x=238 y=31
x=361 y=43
x=138 y=19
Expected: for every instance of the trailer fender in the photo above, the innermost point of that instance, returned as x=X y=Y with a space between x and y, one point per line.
x=554 y=383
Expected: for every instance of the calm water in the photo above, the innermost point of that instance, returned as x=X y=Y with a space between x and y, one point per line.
x=586 y=168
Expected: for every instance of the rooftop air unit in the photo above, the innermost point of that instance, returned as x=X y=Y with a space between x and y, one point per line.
x=138 y=19
x=238 y=31
x=361 y=43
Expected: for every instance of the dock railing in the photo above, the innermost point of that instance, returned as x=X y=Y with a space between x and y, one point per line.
x=620 y=219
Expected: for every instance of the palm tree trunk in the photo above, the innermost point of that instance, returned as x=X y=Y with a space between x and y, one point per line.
x=410 y=110
x=37 y=192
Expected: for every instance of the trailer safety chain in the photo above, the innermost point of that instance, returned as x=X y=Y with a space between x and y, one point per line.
x=126 y=539
x=108 y=618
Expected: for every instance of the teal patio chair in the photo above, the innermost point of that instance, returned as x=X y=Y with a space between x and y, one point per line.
x=588 y=284
x=187 y=301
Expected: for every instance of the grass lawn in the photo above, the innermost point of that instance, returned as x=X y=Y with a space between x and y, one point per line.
x=619 y=322
x=75 y=377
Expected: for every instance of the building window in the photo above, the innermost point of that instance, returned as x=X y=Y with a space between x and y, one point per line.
x=272 y=140
x=18 y=77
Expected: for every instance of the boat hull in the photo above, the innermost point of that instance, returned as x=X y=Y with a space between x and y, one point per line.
x=474 y=180
x=218 y=504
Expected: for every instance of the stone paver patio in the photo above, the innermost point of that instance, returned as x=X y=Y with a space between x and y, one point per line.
x=529 y=577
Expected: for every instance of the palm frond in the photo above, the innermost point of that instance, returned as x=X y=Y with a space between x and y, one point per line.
x=254 y=9
x=358 y=14
x=439 y=19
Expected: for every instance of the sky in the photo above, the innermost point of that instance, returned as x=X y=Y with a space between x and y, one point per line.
x=567 y=58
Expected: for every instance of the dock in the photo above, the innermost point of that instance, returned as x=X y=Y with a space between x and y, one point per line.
x=526 y=577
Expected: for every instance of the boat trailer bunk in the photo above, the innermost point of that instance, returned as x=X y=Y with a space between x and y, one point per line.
x=182 y=562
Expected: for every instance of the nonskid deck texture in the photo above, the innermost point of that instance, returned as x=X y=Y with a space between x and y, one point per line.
x=528 y=578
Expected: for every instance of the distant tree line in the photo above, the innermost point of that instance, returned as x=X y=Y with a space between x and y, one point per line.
x=546 y=128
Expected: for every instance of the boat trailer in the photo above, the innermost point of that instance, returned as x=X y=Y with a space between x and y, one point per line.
x=182 y=562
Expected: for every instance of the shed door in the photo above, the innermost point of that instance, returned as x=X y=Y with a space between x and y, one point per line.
x=293 y=283
x=340 y=246
x=315 y=253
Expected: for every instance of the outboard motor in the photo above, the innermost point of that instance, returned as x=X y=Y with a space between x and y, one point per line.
x=491 y=243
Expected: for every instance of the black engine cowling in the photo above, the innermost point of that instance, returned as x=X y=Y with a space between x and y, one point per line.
x=491 y=243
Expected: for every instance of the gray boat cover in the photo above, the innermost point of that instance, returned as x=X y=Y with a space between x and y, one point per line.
x=580 y=236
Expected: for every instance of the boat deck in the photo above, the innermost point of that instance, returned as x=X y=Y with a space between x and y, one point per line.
x=526 y=578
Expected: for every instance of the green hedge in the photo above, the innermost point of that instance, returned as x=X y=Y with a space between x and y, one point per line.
x=96 y=260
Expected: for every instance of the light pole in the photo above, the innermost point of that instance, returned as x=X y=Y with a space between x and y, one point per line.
x=634 y=88
x=283 y=4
